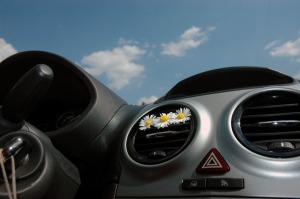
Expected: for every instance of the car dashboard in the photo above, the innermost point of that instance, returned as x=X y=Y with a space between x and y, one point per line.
x=231 y=132
x=242 y=142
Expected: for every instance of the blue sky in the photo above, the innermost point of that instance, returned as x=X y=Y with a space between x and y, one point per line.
x=140 y=49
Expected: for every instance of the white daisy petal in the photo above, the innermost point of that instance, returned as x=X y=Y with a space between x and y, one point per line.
x=164 y=120
x=147 y=122
x=182 y=115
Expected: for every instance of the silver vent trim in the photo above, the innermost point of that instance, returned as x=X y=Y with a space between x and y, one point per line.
x=156 y=145
x=268 y=123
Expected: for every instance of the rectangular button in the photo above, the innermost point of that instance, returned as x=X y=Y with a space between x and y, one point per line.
x=193 y=184
x=225 y=183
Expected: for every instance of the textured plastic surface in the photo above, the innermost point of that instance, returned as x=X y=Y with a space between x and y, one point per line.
x=72 y=89
x=226 y=79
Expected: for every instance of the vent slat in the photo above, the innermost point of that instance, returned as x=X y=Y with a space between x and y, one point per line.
x=272 y=124
x=162 y=134
x=293 y=105
x=146 y=151
x=271 y=134
x=291 y=114
x=163 y=143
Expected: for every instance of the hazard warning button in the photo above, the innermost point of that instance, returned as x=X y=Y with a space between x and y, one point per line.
x=213 y=163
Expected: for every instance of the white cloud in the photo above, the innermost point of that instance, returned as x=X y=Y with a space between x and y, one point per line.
x=271 y=44
x=6 y=49
x=178 y=75
x=149 y=100
x=191 y=38
x=118 y=64
x=123 y=41
x=288 y=49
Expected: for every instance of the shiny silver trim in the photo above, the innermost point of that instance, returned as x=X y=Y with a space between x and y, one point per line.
x=278 y=123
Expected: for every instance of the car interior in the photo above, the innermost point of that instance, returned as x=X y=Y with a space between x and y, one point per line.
x=231 y=132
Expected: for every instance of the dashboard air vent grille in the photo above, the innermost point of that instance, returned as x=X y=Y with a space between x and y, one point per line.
x=161 y=134
x=269 y=123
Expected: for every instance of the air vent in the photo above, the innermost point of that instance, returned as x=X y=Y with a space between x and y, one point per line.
x=161 y=134
x=268 y=123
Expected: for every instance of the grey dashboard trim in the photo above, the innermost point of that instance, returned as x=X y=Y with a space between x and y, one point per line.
x=264 y=176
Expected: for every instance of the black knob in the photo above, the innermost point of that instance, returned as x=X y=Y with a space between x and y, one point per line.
x=26 y=93
x=280 y=146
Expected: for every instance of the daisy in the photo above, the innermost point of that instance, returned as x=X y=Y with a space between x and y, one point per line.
x=182 y=115
x=147 y=122
x=164 y=120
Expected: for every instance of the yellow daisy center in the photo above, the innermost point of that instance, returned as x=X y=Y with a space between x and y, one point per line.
x=163 y=118
x=148 y=122
x=180 y=115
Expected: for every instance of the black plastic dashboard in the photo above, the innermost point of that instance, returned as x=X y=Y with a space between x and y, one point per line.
x=67 y=98
x=227 y=79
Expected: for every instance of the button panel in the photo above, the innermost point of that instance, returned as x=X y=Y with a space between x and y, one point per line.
x=193 y=184
x=213 y=183
x=224 y=183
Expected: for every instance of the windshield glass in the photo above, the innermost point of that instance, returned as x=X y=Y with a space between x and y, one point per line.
x=141 y=49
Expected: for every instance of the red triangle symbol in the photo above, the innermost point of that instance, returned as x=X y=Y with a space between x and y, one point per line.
x=213 y=163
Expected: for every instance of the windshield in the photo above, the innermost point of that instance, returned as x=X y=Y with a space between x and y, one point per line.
x=141 y=49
